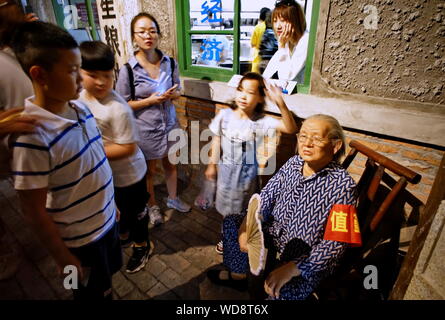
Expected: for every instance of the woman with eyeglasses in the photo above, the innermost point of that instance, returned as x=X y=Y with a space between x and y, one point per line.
x=308 y=209
x=149 y=82
x=289 y=25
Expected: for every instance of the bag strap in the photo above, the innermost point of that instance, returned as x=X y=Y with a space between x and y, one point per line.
x=131 y=81
x=172 y=68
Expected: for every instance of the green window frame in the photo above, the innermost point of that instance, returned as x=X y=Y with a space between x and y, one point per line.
x=185 y=33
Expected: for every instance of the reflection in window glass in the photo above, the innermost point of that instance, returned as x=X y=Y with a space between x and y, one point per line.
x=249 y=20
x=221 y=39
x=212 y=50
x=77 y=23
x=211 y=14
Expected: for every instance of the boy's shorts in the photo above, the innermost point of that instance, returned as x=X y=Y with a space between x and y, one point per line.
x=101 y=259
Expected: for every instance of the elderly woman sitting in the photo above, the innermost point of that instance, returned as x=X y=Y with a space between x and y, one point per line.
x=308 y=209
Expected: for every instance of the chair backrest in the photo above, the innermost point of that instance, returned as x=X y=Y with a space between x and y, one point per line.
x=380 y=209
x=377 y=189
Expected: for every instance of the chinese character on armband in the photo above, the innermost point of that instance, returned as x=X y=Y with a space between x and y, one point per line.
x=343 y=225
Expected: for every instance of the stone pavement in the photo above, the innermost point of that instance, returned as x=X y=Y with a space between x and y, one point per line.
x=184 y=251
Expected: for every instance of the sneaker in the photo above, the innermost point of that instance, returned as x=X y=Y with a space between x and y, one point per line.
x=178 y=204
x=155 y=215
x=139 y=258
x=219 y=247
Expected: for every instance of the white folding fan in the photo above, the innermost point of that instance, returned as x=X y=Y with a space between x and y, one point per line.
x=255 y=239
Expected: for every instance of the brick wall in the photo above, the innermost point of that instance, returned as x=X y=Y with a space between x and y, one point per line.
x=423 y=160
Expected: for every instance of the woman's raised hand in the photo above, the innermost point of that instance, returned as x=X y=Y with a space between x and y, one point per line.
x=286 y=35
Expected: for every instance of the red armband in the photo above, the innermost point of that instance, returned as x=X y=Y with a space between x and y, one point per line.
x=343 y=225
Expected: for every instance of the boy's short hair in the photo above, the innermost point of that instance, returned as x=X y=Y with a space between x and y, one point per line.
x=96 y=55
x=38 y=43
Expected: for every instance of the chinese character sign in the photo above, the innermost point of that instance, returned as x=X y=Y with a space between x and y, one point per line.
x=113 y=30
x=107 y=7
x=343 y=225
x=209 y=9
x=210 y=49
x=112 y=39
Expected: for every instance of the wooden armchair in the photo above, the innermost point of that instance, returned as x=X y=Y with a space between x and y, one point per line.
x=382 y=199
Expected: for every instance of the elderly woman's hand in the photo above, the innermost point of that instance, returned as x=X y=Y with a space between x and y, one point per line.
x=242 y=236
x=279 y=277
x=12 y=121
x=242 y=240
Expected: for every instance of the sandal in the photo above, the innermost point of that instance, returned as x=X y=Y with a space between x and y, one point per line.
x=214 y=276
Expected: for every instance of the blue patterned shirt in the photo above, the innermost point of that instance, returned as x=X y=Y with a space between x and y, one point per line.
x=294 y=206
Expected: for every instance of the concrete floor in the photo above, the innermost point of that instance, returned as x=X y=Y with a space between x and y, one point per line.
x=184 y=250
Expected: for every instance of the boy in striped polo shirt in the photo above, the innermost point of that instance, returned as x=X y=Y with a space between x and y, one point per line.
x=61 y=173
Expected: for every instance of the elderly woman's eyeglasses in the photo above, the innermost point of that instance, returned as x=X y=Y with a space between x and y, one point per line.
x=146 y=33
x=316 y=140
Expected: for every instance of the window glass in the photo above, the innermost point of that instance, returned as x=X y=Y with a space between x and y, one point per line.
x=219 y=38
x=249 y=19
x=212 y=50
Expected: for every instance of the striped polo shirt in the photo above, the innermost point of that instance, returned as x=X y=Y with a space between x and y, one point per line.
x=67 y=157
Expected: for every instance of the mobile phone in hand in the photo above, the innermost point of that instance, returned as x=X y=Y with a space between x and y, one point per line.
x=173 y=88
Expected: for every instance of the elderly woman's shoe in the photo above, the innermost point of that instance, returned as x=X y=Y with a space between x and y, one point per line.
x=215 y=277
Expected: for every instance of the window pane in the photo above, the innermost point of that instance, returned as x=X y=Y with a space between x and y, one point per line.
x=211 y=14
x=250 y=13
x=212 y=50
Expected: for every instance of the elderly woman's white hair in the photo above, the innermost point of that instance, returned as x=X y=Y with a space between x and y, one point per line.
x=335 y=133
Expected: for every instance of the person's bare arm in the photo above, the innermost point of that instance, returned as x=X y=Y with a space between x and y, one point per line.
x=12 y=121
x=153 y=99
x=33 y=204
x=287 y=124
x=116 y=151
x=211 y=171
